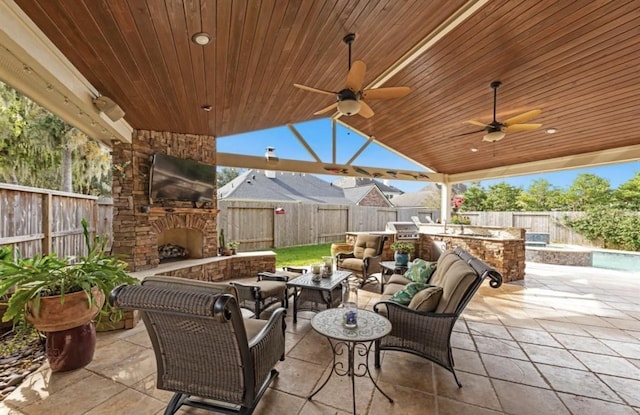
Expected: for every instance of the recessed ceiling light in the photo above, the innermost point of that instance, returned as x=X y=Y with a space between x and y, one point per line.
x=201 y=38
x=551 y=130
x=474 y=150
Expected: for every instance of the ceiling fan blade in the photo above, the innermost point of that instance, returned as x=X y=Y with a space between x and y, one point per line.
x=524 y=117
x=326 y=109
x=355 y=77
x=386 y=93
x=477 y=123
x=472 y=132
x=521 y=127
x=365 y=110
x=312 y=89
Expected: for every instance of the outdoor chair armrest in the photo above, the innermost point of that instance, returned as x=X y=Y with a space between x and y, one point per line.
x=399 y=308
x=372 y=264
x=276 y=319
x=345 y=255
x=295 y=269
x=267 y=347
x=246 y=291
x=270 y=276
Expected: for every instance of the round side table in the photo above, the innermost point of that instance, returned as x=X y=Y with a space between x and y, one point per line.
x=371 y=327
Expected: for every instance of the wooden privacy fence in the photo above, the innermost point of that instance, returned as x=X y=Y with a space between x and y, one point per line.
x=257 y=225
x=543 y=222
x=43 y=221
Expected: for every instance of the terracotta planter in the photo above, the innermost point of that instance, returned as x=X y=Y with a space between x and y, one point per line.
x=6 y=325
x=71 y=349
x=56 y=316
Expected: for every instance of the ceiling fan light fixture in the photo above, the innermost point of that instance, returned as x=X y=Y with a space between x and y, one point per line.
x=493 y=136
x=349 y=106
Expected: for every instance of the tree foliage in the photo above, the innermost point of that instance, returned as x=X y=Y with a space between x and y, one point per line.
x=39 y=149
x=225 y=174
x=541 y=195
x=475 y=197
x=502 y=197
x=588 y=190
x=627 y=195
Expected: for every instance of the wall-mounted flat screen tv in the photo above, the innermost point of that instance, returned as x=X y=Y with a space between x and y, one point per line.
x=174 y=178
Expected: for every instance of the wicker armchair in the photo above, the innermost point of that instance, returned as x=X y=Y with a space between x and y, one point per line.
x=205 y=351
x=364 y=260
x=428 y=334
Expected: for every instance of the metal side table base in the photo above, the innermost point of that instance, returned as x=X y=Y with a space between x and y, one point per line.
x=355 y=342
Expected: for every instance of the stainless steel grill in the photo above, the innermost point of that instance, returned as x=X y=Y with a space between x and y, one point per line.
x=403 y=230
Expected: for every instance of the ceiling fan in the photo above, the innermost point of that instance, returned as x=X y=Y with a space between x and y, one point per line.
x=495 y=131
x=351 y=99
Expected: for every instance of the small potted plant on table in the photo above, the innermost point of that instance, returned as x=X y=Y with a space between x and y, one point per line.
x=402 y=250
x=61 y=297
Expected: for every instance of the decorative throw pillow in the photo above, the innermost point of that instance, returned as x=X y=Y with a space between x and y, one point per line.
x=405 y=295
x=426 y=300
x=420 y=270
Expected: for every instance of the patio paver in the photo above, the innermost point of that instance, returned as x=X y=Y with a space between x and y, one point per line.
x=566 y=340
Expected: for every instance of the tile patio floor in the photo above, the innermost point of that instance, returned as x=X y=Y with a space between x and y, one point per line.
x=566 y=340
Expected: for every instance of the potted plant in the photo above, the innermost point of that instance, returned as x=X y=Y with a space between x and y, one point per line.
x=61 y=297
x=233 y=245
x=402 y=251
x=223 y=249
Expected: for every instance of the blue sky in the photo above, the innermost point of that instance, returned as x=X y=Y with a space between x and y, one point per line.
x=318 y=134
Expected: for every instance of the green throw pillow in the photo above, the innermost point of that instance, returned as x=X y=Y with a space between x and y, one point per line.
x=405 y=295
x=420 y=270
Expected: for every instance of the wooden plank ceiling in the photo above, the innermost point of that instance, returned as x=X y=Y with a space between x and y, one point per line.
x=576 y=61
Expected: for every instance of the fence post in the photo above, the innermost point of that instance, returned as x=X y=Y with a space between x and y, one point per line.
x=47 y=208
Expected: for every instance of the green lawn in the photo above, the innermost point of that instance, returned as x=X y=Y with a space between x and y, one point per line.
x=301 y=255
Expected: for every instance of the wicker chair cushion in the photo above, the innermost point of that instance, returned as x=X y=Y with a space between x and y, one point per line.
x=420 y=270
x=354 y=264
x=444 y=262
x=426 y=300
x=405 y=295
x=398 y=279
x=366 y=246
x=271 y=288
x=253 y=326
x=454 y=287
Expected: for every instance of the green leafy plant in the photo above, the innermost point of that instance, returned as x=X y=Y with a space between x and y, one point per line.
x=457 y=219
x=27 y=280
x=221 y=242
x=233 y=245
x=403 y=247
x=617 y=229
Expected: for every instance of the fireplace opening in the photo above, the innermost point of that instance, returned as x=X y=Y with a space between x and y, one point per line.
x=179 y=244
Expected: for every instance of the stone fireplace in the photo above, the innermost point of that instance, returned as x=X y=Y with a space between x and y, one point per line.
x=140 y=227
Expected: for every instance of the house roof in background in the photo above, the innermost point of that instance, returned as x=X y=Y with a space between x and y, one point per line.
x=419 y=198
x=348 y=182
x=284 y=187
x=356 y=194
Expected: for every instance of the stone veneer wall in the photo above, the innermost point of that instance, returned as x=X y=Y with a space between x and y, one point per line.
x=237 y=267
x=507 y=256
x=137 y=223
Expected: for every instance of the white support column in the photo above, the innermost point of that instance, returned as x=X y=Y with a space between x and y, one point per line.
x=445 y=202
